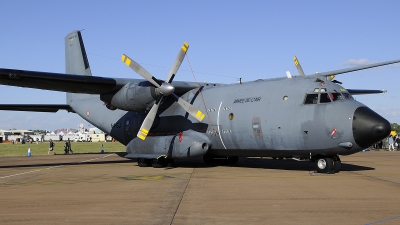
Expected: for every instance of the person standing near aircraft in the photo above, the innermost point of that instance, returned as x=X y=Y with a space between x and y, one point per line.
x=391 y=143
x=51 y=148
x=69 y=147
x=66 y=148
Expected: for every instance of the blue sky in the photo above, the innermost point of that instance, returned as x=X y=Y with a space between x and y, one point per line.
x=228 y=39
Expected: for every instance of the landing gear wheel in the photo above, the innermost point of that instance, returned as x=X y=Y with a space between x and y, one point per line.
x=170 y=162
x=337 y=164
x=144 y=162
x=324 y=165
x=159 y=162
x=232 y=160
x=208 y=159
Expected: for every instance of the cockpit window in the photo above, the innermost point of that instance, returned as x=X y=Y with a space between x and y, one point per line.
x=347 y=95
x=336 y=96
x=311 y=99
x=325 y=98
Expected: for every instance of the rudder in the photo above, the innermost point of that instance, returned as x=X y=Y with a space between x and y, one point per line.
x=76 y=61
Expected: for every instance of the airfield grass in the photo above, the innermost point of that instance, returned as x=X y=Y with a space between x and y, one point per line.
x=8 y=149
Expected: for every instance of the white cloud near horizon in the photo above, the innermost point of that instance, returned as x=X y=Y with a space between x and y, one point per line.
x=357 y=62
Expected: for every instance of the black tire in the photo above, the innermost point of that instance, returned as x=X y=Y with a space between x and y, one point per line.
x=159 y=163
x=324 y=165
x=232 y=160
x=144 y=162
x=170 y=162
x=208 y=159
x=337 y=164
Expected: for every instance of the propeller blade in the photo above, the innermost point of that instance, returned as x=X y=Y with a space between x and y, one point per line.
x=298 y=66
x=192 y=110
x=148 y=121
x=140 y=70
x=178 y=62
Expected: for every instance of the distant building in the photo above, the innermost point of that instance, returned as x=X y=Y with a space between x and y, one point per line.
x=22 y=132
x=5 y=132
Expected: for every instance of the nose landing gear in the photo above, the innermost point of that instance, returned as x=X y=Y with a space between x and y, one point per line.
x=326 y=164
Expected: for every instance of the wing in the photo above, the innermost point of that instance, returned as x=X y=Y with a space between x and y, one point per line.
x=363 y=92
x=75 y=83
x=58 y=82
x=35 y=107
x=336 y=72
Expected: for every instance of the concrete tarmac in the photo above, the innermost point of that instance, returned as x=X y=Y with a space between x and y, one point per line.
x=109 y=189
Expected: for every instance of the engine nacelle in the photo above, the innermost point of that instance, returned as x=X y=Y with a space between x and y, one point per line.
x=187 y=144
x=132 y=97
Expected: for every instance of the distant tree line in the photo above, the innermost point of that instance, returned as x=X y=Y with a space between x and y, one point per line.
x=396 y=127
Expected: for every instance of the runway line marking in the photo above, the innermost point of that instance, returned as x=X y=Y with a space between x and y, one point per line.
x=51 y=167
x=384 y=220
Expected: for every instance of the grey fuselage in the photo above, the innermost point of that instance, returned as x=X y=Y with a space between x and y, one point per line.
x=260 y=118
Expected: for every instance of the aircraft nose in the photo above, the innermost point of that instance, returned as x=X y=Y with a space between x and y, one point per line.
x=369 y=127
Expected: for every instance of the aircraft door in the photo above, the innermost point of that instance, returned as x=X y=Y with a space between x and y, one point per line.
x=257 y=132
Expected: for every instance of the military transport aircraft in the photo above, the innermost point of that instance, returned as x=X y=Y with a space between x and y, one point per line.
x=301 y=117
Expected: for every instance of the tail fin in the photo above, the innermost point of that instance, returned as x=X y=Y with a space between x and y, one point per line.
x=76 y=61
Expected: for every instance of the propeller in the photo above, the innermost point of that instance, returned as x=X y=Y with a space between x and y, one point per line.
x=298 y=66
x=163 y=89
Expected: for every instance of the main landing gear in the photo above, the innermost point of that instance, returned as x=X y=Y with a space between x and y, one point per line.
x=326 y=164
x=159 y=162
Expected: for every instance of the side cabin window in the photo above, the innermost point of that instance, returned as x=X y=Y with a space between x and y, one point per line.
x=311 y=99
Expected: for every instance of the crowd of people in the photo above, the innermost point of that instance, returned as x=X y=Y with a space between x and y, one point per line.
x=67 y=147
x=391 y=143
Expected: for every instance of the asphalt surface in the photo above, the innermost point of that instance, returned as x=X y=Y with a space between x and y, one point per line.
x=109 y=189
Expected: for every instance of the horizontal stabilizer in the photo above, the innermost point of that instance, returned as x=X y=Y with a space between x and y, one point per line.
x=35 y=107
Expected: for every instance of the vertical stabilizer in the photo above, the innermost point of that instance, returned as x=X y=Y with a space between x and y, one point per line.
x=76 y=61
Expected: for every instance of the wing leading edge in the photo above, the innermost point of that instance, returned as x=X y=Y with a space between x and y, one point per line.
x=58 y=82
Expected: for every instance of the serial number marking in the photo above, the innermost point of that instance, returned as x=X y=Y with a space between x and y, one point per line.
x=244 y=100
x=227 y=131
x=212 y=110
x=227 y=108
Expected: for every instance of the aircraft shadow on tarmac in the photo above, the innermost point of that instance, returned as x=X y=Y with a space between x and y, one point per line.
x=266 y=163
x=66 y=163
